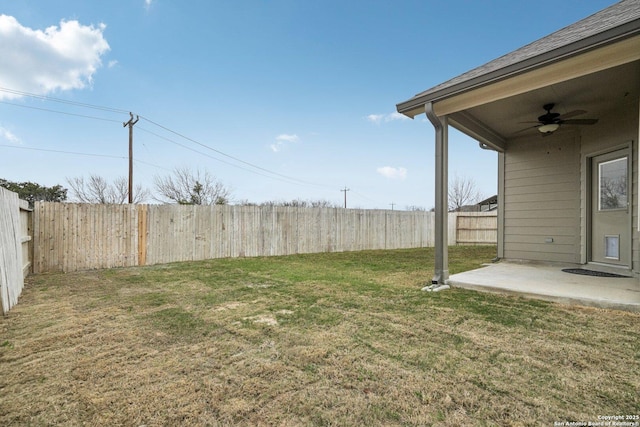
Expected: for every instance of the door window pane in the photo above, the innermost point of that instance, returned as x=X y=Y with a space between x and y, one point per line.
x=613 y=184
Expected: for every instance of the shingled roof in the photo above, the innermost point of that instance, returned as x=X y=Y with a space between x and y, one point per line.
x=614 y=23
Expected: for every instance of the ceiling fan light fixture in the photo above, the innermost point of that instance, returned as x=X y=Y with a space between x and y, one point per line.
x=549 y=128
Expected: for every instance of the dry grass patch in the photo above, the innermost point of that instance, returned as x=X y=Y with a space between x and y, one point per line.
x=327 y=339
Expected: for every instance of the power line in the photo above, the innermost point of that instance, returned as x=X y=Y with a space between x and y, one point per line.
x=76 y=153
x=151 y=164
x=215 y=158
x=290 y=179
x=65 y=152
x=256 y=169
x=60 y=112
x=365 y=197
x=296 y=181
x=116 y=110
x=62 y=101
x=232 y=157
x=274 y=175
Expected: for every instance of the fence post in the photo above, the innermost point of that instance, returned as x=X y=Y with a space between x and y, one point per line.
x=26 y=238
x=11 y=250
x=142 y=234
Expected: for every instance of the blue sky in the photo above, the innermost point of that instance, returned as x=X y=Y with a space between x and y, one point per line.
x=279 y=99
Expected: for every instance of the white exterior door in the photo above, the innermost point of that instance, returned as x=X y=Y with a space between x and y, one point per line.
x=611 y=209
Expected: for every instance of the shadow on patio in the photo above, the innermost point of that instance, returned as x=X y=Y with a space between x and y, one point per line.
x=548 y=281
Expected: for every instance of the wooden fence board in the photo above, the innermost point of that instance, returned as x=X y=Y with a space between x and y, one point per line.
x=70 y=237
x=15 y=248
x=474 y=229
x=26 y=237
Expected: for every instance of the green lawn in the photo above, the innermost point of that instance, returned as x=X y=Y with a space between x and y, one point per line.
x=322 y=339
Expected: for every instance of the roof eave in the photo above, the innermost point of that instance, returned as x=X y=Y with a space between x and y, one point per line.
x=415 y=105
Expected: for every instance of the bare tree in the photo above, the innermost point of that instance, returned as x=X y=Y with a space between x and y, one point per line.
x=186 y=187
x=320 y=203
x=245 y=202
x=613 y=192
x=96 y=189
x=462 y=192
x=300 y=203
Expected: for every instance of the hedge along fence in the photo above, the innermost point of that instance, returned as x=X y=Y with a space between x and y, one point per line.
x=71 y=237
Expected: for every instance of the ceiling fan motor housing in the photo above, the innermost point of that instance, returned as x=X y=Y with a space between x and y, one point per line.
x=549 y=117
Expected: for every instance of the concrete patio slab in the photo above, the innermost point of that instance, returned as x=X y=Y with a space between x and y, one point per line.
x=549 y=282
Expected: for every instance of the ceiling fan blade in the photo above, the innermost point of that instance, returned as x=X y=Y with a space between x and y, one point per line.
x=525 y=129
x=572 y=114
x=580 y=122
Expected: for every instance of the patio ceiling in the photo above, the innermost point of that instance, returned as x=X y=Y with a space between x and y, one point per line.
x=598 y=93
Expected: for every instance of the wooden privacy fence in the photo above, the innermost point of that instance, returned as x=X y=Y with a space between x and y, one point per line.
x=476 y=228
x=15 y=247
x=70 y=237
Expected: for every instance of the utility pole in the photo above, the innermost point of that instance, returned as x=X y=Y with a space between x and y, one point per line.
x=130 y=123
x=392 y=205
x=345 y=196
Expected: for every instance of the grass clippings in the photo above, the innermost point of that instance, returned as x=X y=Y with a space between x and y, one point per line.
x=323 y=339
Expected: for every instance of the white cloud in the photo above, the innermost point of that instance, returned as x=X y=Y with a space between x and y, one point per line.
x=396 y=116
x=147 y=3
x=287 y=138
x=112 y=63
x=379 y=118
x=42 y=61
x=7 y=135
x=283 y=139
x=375 y=118
x=392 y=173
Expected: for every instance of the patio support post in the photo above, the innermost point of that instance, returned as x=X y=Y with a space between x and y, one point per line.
x=442 y=195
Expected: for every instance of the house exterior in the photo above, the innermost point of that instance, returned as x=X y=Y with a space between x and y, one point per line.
x=563 y=113
x=486 y=205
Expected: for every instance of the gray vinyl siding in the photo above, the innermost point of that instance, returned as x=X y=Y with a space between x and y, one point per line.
x=546 y=189
x=542 y=199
